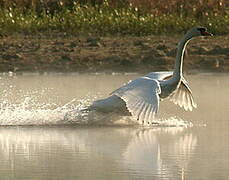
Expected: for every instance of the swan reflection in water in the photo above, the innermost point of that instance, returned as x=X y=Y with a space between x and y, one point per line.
x=97 y=152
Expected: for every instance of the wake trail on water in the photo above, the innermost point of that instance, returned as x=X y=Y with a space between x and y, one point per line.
x=28 y=109
x=39 y=114
x=31 y=112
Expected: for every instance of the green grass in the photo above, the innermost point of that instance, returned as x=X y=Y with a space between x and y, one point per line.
x=104 y=19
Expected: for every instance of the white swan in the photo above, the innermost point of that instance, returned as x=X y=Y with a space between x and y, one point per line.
x=141 y=96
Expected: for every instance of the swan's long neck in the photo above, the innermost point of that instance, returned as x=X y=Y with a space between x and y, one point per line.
x=178 y=70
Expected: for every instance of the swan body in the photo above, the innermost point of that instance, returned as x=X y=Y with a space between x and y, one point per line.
x=140 y=97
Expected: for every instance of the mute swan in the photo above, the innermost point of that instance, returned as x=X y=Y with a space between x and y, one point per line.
x=141 y=96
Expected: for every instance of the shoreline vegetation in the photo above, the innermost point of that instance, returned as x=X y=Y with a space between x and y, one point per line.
x=109 y=35
x=112 y=17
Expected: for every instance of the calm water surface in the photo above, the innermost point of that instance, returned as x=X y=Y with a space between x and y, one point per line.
x=50 y=151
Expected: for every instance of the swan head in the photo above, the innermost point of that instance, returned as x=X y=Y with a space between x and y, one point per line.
x=198 y=31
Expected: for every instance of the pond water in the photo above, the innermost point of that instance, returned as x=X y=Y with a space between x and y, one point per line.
x=38 y=142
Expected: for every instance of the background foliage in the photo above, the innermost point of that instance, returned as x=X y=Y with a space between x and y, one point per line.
x=112 y=17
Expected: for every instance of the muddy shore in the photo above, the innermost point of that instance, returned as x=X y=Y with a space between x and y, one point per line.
x=110 y=54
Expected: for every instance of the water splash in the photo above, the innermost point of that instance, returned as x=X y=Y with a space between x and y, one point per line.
x=29 y=112
x=37 y=107
x=34 y=107
x=92 y=118
x=173 y=122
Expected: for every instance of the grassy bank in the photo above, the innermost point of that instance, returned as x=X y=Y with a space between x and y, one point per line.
x=109 y=18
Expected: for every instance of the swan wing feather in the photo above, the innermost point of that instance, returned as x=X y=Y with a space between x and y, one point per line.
x=159 y=75
x=141 y=97
x=183 y=96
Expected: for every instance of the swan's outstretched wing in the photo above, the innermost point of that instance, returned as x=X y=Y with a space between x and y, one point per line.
x=159 y=75
x=183 y=96
x=141 y=97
